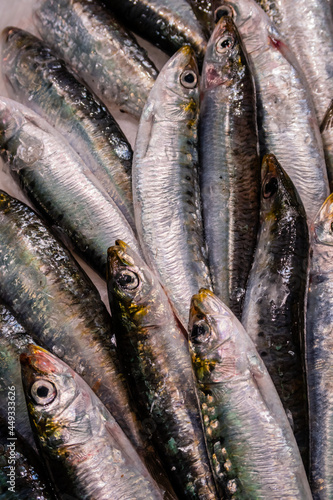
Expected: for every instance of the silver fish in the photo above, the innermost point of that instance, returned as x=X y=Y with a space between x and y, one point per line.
x=230 y=167
x=99 y=49
x=60 y=185
x=252 y=446
x=319 y=352
x=42 y=82
x=165 y=183
x=86 y=452
x=286 y=117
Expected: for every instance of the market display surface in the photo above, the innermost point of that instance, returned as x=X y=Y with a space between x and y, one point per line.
x=166 y=250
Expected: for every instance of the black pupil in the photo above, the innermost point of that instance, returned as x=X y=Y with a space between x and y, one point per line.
x=271 y=187
x=332 y=227
x=42 y=391
x=226 y=43
x=198 y=331
x=221 y=13
x=189 y=78
x=125 y=279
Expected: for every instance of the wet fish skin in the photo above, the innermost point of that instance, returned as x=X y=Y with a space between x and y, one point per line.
x=165 y=183
x=156 y=359
x=307 y=27
x=319 y=335
x=30 y=481
x=203 y=12
x=40 y=80
x=86 y=451
x=53 y=299
x=248 y=434
x=326 y=130
x=274 y=306
x=230 y=168
x=100 y=51
x=60 y=185
x=13 y=341
x=286 y=115
x=169 y=24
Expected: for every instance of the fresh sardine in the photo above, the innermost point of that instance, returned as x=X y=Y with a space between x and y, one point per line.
x=168 y=24
x=41 y=81
x=86 y=452
x=99 y=49
x=319 y=353
x=165 y=183
x=60 y=185
x=251 y=444
x=230 y=168
x=274 y=306
x=156 y=359
x=286 y=117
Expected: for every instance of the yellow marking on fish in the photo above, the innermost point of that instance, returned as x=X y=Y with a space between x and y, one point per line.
x=203 y=366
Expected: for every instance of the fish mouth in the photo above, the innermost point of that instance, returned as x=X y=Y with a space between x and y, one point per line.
x=269 y=166
x=8 y=34
x=119 y=255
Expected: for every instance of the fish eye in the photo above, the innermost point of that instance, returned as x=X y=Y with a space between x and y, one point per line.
x=43 y=392
x=188 y=79
x=222 y=12
x=270 y=187
x=200 y=332
x=127 y=279
x=226 y=42
x=331 y=227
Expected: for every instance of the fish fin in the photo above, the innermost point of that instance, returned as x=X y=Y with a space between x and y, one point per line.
x=327 y=122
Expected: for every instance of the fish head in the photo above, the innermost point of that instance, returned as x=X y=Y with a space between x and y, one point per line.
x=10 y=121
x=252 y=22
x=224 y=61
x=175 y=95
x=133 y=288
x=322 y=227
x=279 y=197
x=211 y=338
x=53 y=398
x=20 y=58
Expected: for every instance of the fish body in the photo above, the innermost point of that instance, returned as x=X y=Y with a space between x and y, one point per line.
x=319 y=342
x=22 y=476
x=165 y=183
x=274 y=307
x=169 y=24
x=251 y=444
x=53 y=299
x=40 y=80
x=156 y=359
x=286 y=116
x=13 y=341
x=84 y=448
x=203 y=12
x=307 y=28
x=99 y=49
x=60 y=185
x=230 y=169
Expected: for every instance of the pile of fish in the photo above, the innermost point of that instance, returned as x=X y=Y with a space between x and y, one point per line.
x=212 y=378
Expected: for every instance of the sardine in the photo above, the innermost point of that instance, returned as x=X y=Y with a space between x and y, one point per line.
x=251 y=444
x=168 y=24
x=53 y=299
x=22 y=476
x=307 y=28
x=86 y=452
x=60 y=186
x=41 y=81
x=156 y=359
x=165 y=183
x=230 y=168
x=319 y=352
x=274 y=306
x=13 y=341
x=286 y=116
x=99 y=49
